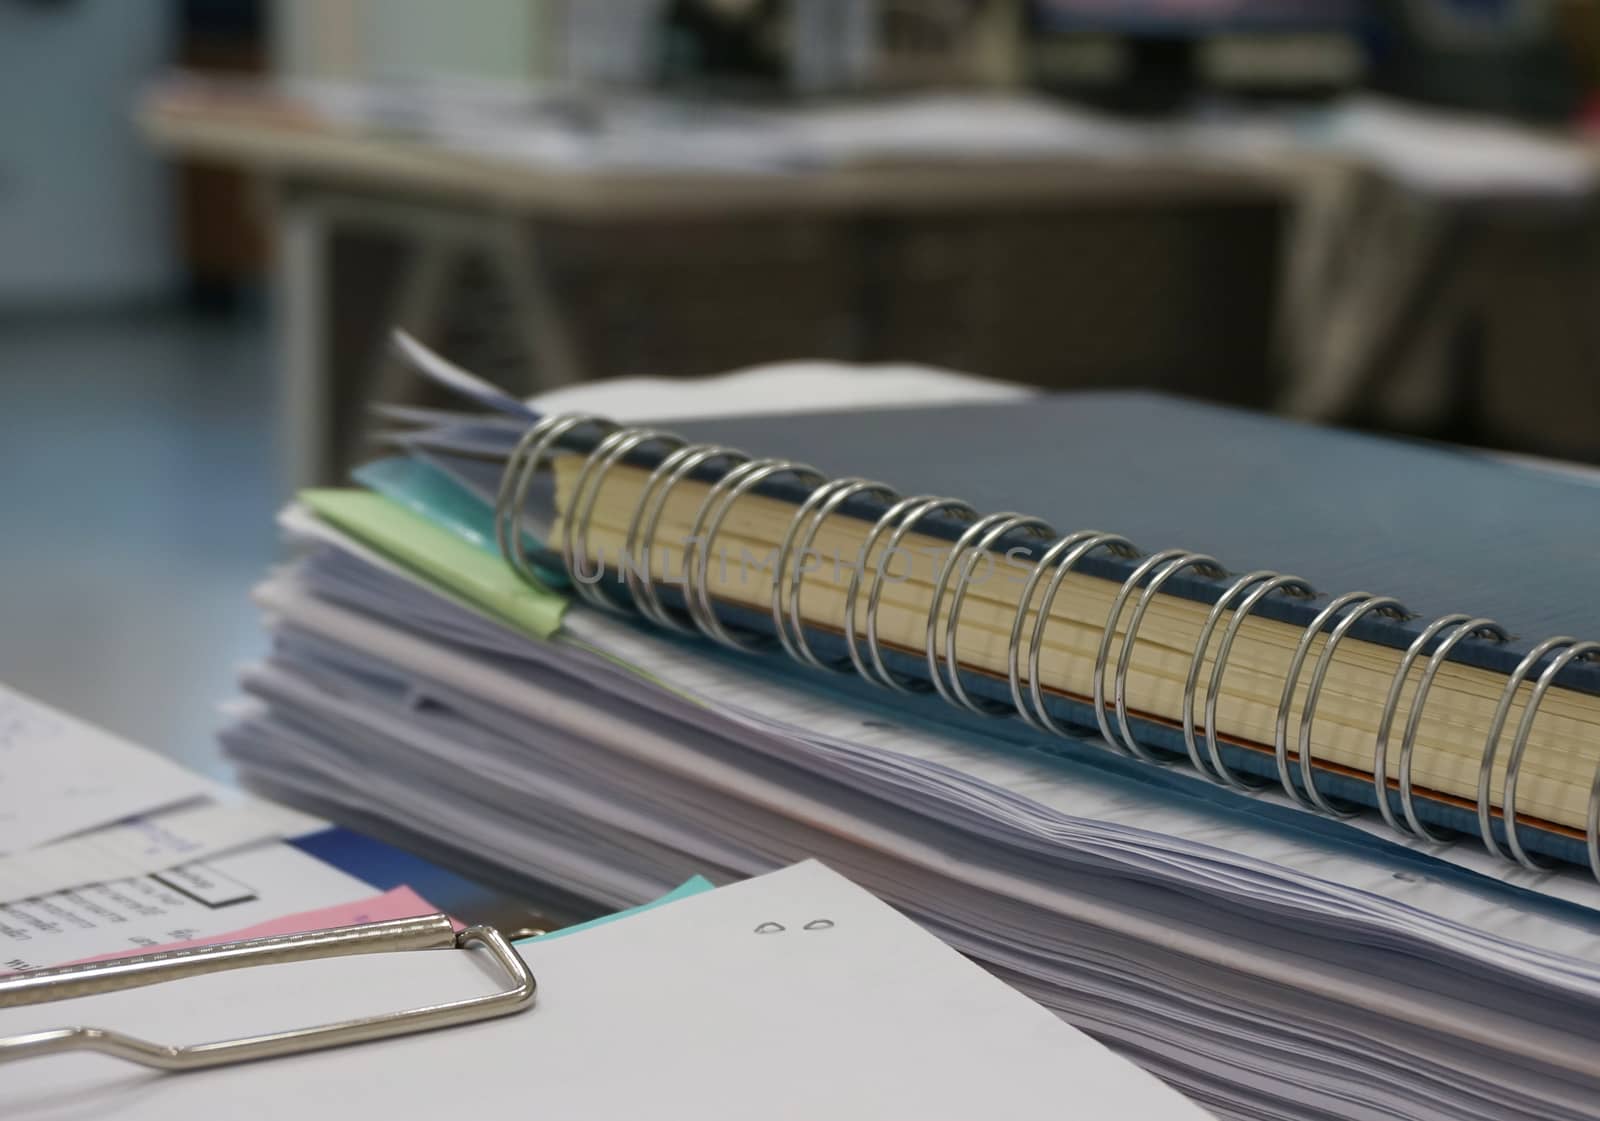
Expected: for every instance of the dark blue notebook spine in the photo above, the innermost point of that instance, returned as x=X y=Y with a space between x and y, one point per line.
x=1317 y=785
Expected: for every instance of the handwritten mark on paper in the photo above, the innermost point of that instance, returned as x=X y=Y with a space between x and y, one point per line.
x=770 y=927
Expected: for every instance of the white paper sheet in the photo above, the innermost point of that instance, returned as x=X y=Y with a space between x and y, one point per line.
x=60 y=776
x=795 y=995
x=1460 y=156
x=796 y=387
x=199 y=900
x=149 y=844
x=448 y=373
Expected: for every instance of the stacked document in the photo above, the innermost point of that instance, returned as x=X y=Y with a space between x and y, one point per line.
x=109 y=850
x=1267 y=960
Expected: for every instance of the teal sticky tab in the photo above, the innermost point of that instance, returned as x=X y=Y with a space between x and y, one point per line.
x=692 y=886
x=482 y=579
x=430 y=492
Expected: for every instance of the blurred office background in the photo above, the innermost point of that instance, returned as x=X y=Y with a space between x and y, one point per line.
x=1376 y=213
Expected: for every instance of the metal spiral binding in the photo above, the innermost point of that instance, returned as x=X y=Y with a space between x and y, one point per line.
x=879 y=528
x=1363 y=602
x=1592 y=825
x=1508 y=797
x=898 y=522
x=708 y=523
x=1064 y=555
x=822 y=502
x=1263 y=584
x=647 y=517
x=969 y=552
x=979 y=539
x=1408 y=741
x=521 y=466
x=575 y=543
x=1179 y=560
x=1482 y=628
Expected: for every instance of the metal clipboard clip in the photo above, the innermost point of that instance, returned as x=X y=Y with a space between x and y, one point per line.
x=431 y=932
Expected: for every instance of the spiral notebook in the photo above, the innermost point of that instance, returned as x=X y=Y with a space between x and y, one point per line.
x=1195 y=570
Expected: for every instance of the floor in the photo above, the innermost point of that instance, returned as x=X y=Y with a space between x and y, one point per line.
x=138 y=482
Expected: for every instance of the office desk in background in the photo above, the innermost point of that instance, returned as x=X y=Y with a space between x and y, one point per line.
x=1366 y=263
x=1060 y=272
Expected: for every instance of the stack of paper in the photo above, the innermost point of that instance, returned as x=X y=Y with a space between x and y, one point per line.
x=60 y=776
x=561 y=129
x=108 y=849
x=1267 y=963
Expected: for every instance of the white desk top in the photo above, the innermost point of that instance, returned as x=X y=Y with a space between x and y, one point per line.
x=274 y=136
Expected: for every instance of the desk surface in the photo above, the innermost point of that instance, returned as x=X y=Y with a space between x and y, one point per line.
x=272 y=136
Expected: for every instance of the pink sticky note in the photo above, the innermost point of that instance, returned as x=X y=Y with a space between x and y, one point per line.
x=397 y=903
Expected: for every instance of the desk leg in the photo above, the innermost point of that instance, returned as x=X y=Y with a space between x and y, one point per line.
x=417 y=306
x=546 y=336
x=315 y=391
x=302 y=312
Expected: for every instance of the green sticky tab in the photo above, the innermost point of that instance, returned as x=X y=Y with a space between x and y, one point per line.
x=438 y=555
x=693 y=886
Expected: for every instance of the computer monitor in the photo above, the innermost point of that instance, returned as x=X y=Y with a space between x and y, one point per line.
x=1194 y=17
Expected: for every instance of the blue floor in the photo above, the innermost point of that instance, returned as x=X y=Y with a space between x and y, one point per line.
x=138 y=482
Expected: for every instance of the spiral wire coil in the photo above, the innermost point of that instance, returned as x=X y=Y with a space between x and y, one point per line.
x=740 y=474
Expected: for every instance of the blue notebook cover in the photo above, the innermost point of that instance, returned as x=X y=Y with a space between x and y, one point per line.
x=1443 y=530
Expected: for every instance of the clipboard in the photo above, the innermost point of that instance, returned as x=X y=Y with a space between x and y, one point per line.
x=430 y=932
x=761 y=978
